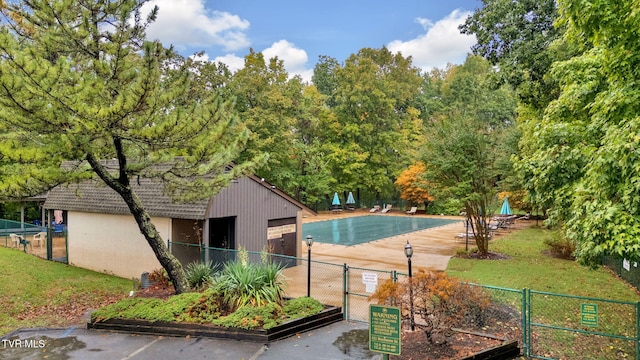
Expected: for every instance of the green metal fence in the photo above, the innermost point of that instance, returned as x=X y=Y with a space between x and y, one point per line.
x=628 y=270
x=8 y=227
x=574 y=327
x=46 y=242
x=360 y=283
x=547 y=325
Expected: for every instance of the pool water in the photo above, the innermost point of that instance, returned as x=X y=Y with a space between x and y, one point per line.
x=362 y=229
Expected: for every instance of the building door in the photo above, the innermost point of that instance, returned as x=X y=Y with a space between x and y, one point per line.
x=222 y=235
x=281 y=239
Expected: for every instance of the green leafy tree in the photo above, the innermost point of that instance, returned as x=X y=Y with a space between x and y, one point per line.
x=284 y=116
x=80 y=83
x=523 y=40
x=325 y=78
x=461 y=152
x=430 y=99
x=311 y=172
x=592 y=128
x=517 y=36
x=376 y=128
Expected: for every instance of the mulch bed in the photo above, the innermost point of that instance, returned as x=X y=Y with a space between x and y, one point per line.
x=155 y=290
x=416 y=346
x=489 y=256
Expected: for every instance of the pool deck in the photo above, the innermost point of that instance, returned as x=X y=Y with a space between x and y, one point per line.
x=432 y=247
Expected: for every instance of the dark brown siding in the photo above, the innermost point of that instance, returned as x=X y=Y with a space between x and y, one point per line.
x=253 y=205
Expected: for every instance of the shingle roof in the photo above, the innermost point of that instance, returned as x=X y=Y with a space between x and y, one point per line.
x=93 y=196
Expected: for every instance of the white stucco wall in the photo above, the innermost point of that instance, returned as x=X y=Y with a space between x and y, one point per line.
x=112 y=243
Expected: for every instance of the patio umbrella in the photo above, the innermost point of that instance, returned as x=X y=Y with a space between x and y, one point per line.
x=506 y=209
x=350 y=199
x=335 y=201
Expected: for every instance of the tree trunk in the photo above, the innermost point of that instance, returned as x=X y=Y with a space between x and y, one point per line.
x=169 y=262
x=122 y=186
x=479 y=227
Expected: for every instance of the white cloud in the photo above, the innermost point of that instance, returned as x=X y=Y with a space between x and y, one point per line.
x=233 y=62
x=294 y=59
x=441 y=44
x=186 y=23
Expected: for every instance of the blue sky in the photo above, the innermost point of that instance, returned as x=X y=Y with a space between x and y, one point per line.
x=299 y=31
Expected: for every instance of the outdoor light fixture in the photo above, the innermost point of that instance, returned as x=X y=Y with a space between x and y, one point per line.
x=408 y=251
x=309 y=241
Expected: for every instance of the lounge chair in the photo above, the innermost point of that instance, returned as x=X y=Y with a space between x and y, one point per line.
x=412 y=211
x=387 y=209
x=374 y=208
x=471 y=235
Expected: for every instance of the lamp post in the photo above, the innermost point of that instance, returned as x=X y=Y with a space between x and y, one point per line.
x=408 y=251
x=309 y=243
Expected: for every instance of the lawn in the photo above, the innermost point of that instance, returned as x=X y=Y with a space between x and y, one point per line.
x=37 y=292
x=529 y=266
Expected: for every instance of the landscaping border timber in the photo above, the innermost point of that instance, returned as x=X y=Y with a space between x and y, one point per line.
x=326 y=317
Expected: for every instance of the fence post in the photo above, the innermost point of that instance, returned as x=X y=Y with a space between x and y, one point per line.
x=529 y=316
x=525 y=321
x=202 y=254
x=638 y=330
x=345 y=291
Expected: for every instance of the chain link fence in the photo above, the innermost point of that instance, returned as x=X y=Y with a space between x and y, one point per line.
x=547 y=325
x=42 y=241
x=360 y=284
x=574 y=327
x=628 y=270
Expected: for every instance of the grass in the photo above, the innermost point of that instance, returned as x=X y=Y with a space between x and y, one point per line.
x=529 y=267
x=37 y=292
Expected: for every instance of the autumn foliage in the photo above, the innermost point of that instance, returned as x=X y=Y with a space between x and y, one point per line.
x=440 y=303
x=413 y=187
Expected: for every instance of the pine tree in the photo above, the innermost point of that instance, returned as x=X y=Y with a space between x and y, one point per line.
x=80 y=83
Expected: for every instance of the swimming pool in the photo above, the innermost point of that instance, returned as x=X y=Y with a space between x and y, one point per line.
x=362 y=229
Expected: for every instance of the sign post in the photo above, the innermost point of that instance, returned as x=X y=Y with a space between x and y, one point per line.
x=385 y=330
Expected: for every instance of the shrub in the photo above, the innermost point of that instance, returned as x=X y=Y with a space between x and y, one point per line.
x=206 y=309
x=199 y=274
x=441 y=301
x=560 y=245
x=448 y=206
x=247 y=284
x=253 y=317
x=302 y=307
